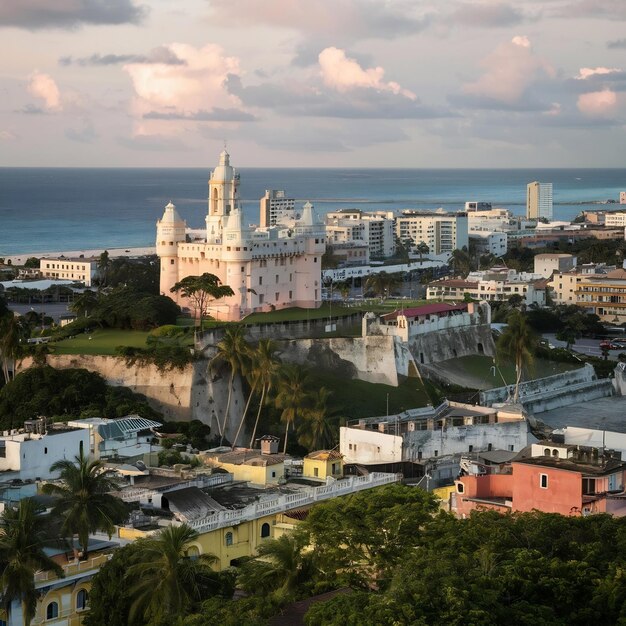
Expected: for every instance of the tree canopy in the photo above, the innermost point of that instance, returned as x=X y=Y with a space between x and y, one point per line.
x=201 y=291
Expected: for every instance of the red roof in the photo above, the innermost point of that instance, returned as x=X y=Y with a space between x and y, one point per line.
x=427 y=309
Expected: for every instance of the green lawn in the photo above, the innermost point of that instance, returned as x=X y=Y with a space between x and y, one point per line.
x=100 y=341
x=325 y=311
x=476 y=371
x=358 y=398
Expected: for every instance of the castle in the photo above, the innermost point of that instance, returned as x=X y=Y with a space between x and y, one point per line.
x=267 y=268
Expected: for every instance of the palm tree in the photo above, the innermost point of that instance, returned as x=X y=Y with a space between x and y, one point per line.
x=316 y=431
x=266 y=368
x=233 y=350
x=381 y=283
x=23 y=532
x=293 y=395
x=85 y=504
x=281 y=565
x=516 y=343
x=11 y=334
x=461 y=262
x=84 y=303
x=165 y=581
x=422 y=249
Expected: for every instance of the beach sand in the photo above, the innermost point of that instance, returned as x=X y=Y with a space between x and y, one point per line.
x=20 y=259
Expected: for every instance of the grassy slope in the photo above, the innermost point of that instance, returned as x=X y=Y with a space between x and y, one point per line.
x=100 y=341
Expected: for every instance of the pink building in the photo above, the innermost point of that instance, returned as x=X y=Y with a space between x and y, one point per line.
x=267 y=268
x=555 y=478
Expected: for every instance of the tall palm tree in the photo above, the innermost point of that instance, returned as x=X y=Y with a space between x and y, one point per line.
x=267 y=365
x=164 y=582
x=316 y=432
x=292 y=396
x=85 y=504
x=22 y=536
x=422 y=249
x=461 y=262
x=11 y=350
x=516 y=343
x=382 y=283
x=233 y=351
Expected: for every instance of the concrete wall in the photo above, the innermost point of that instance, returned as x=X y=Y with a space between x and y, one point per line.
x=369 y=358
x=191 y=393
x=452 y=343
x=369 y=446
x=553 y=392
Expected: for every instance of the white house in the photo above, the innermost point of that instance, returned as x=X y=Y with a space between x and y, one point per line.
x=30 y=455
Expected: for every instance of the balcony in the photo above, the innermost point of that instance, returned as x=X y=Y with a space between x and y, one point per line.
x=74 y=569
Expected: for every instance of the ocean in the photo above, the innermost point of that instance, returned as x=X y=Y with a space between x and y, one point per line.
x=55 y=209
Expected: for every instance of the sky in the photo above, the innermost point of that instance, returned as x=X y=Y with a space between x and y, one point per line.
x=313 y=83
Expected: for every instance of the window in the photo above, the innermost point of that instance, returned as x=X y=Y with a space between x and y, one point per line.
x=436 y=453
x=52 y=611
x=82 y=597
x=489 y=447
x=349 y=446
x=277 y=277
x=316 y=472
x=228 y=538
x=45 y=450
x=511 y=448
x=543 y=481
x=265 y=530
x=460 y=488
x=471 y=449
x=260 y=280
x=273 y=474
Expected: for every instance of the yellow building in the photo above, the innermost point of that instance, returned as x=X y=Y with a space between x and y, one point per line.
x=604 y=295
x=78 y=269
x=252 y=466
x=323 y=463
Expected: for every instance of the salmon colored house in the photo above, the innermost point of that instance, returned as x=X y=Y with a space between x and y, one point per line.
x=555 y=478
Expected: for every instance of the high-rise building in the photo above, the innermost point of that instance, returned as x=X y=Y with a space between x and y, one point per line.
x=442 y=232
x=275 y=205
x=539 y=201
x=352 y=225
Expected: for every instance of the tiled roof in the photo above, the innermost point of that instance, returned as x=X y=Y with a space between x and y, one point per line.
x=427 y=309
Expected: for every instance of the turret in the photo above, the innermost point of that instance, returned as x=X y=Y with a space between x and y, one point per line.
x=170 y=232
x=223 y=196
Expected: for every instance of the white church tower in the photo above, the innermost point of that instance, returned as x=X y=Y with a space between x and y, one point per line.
x=223 y=197
x=170 y=231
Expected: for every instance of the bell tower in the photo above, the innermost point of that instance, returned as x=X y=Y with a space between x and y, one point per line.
x=223 y=197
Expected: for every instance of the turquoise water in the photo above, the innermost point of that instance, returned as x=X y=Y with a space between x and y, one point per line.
x=66 y=209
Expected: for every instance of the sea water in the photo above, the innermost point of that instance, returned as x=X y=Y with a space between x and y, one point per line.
x=55 y=209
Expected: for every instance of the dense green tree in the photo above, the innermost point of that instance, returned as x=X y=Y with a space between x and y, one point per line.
x=201 y=291
x=23 y=535
x=517 y=343
x=164 y=582
x=266 y=366
x=32 y=262
x=382 y=284
x=84 y=502
x=572 y=329
x=460 y=262
x=12 y=334
x=84 y=303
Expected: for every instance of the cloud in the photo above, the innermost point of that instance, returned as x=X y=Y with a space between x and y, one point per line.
x=85 y=133
x=486 y=15
x=617 y=44
x=597 y=102
x=600 y=9
x=185 y=90
x=588 y=72
x=7 y=135
x=343 y=74
x=42 y=86
x=216 y=115
x=161 y=55
x=152 y=143
x=509 y=71
x=329 y=19
x=37 y=14
x=317 y=100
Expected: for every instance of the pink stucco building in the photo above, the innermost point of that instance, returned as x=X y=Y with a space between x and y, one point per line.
x=267 y=268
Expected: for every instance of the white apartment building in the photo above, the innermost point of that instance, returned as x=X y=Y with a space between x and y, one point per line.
x=275 y=206
x=489 y=242
x=353 y=225
x=267 y=268
x=494 y=285
x=442 y=232
x=30 y=455
x=615 y=218
x=548 y=264
x=76 y=269
x=539 y=201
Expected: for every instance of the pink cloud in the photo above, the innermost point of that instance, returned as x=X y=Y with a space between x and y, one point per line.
x=509 y=70
x=42 y=86
x=597 y=102
x=343 y=74
x=588 y=72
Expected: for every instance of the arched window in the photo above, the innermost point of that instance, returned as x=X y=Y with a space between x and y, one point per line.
x=546 y=452
x=265 y=530
x=229 y=538
x=193 y=552
x=555 y=453
x=52 y=611
x=82 y=597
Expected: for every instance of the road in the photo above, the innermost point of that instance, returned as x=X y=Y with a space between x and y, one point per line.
x=584 y=346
